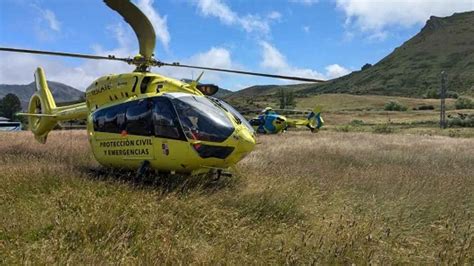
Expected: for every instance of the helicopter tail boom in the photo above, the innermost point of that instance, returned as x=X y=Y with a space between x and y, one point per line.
x=43 y=114
x=313 y=121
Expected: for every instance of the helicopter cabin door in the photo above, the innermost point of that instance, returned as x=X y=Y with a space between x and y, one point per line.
x=171 y=145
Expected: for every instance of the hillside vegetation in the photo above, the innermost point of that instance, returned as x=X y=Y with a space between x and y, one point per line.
x=300 y=198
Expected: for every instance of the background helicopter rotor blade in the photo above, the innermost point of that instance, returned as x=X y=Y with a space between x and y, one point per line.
x=139 y=22
x=241 y=72
x=110 y=57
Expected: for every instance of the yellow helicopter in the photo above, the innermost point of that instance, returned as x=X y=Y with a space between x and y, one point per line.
x=144 y=120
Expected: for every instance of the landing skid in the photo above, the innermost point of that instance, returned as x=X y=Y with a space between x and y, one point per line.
x=142 y=170
x=216 y=174
x=145 y=169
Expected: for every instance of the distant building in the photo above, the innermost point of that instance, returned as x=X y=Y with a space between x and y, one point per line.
x=7 y=125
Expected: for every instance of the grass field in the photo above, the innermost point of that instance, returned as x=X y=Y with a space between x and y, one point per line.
x=330 y=197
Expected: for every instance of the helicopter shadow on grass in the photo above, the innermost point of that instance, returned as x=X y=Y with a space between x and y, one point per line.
x=167 y=183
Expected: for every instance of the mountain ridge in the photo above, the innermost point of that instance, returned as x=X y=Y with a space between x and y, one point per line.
x=61 y=92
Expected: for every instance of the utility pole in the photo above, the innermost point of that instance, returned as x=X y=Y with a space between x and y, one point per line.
x=442 y=96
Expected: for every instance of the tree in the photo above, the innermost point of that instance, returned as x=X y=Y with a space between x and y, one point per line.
x=9 y=106
x=286 y=98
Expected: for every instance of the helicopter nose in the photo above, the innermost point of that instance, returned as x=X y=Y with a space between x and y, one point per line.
x=248 y=139
x=245 y=143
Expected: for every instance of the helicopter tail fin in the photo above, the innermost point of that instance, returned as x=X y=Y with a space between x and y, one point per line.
x=43 y=114
x=44 y=92
x=315 y=121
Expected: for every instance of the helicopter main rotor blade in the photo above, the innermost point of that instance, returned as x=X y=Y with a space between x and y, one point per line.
x=139 y=22
x=110 y=57
x=157 y=63
x=243 y=72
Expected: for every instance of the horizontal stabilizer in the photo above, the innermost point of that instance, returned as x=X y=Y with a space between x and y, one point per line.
x=36 y=115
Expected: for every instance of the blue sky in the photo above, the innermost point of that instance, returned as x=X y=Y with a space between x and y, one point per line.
x=311 y=38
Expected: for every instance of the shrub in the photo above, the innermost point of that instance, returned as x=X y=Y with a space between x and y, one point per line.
x=464 y=103
x=454 y=134
x=432 y=94
x=462 y=120
x=424 y=107
x=383 y=129
x=452 y=94
x=394 y=106
x=356 y=122
x=345 y=128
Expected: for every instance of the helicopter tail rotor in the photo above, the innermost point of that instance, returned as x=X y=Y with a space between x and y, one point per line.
x=43 y=114
x=315 y=121
x=40 y=110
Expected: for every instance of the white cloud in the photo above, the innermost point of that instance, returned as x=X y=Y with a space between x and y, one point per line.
x=306 y=29
x=335 y=71
x=253 y=23
x=275 y=15
x=249 y=22
x=305 y=2
x=216 y=57
x=216 y=8
x=374 y=17
x=272 y=58
x=50 y=17
x=46 y=26
x=159 y=23
x=274 y=61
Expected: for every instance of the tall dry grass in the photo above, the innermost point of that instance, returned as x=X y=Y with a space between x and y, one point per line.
x=299 y=198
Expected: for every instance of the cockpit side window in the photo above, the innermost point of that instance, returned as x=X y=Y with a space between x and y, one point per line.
x=138 y=118
x=165 y=120
x=111 y=119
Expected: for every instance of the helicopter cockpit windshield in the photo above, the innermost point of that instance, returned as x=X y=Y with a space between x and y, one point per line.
x=202 y=119
x=237 y=116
